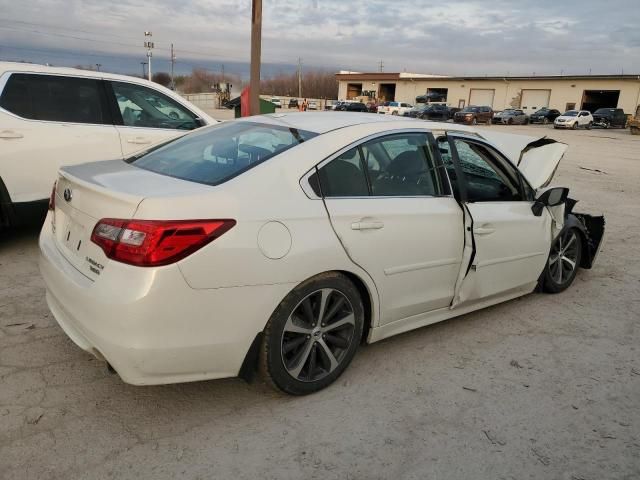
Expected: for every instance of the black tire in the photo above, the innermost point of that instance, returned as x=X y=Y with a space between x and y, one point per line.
x=545 y=121
x=589 y=125
x=559 y=273
x=575 y=125
x=510 y=121
x=294 y=354
x=474 y=121
x=605 y=124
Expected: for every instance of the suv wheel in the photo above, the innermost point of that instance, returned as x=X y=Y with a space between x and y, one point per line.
x=313 y=334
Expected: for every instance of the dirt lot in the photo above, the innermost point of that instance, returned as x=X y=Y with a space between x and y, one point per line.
x=544 y=387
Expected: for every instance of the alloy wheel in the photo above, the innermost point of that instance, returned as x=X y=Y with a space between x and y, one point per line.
x=564 y=257
x=317 y=335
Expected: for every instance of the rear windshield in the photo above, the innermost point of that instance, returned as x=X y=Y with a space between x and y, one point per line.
x=218 y=153
x=570 y=113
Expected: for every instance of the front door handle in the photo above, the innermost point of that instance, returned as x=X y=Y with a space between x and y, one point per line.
x=367 y=225
x=9 y=134
x=139 y=140
x=485 y=230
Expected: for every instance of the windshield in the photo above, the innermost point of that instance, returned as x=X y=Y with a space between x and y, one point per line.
x=471 y=109
x=509 y=111
x=543 y=110
x=605 y=110
x=218 y=153
x=570 y=113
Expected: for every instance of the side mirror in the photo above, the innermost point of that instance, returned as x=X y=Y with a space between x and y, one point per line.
x=200 y=122
x=551 y=197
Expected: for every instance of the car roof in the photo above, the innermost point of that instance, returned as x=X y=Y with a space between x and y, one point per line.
x=77 y=72
x=323 y=122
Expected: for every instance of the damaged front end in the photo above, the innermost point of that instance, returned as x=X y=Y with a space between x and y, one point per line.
x=592 y=228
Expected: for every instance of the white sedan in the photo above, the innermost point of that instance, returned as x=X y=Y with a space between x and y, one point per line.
x=574 y=119
x=283 y=242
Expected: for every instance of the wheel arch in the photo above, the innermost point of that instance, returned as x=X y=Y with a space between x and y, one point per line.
x=250 y=363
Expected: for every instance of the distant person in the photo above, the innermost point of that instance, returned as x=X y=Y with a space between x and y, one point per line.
x=305 y=105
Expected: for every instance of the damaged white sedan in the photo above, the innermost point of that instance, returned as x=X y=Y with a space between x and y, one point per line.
x=280 y=243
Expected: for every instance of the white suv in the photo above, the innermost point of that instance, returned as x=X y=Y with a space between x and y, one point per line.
x=394 y=108
x=50 y=117
x=574 y=119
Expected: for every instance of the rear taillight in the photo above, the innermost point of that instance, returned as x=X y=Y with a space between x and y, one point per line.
x=52 y=198
x=150 y=243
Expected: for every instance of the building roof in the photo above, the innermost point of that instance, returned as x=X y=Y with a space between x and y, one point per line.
x=388 y=76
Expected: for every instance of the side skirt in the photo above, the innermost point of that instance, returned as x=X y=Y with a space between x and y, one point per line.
x=435 y=316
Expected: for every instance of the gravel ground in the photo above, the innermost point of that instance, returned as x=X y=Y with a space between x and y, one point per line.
x=543 y=387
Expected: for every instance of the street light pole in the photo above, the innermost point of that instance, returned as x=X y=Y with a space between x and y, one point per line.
x=256 y=41
x=148 y=44
x=143 y=65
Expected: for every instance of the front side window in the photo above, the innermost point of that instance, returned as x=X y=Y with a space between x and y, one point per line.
x=55 y=98
x=218 y=153
x=486 y=178
x=392 y=166
x=144 y=107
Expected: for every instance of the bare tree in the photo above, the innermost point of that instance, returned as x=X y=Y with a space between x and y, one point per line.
x=315 y=84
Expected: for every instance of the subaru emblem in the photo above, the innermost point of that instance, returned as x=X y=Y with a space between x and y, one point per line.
x=68 y=195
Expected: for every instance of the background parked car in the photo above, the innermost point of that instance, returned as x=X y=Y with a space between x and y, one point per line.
x=312 y=105
x=609 y=117
x=52 y=117
x=510 y=116
x=416 y=111
x=293 y=103
x=276 y=102
x=436 y=111
x=574 y=119
x=394 y=108
x=353 y=107
x=474 y=114
x=544 y=115
x=372 y=107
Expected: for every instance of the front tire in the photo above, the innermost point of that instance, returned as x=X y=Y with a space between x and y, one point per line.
x=313 y=335
x=589 y=125
x=564 y=261
x=575 y=125
x=545 y=121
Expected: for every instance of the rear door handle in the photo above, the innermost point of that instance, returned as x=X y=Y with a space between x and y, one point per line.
x=484 y=230
x=8 y=134
x=367 y=225
x=139 y=140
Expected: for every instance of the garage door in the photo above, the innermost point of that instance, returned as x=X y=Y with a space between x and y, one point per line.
x=481 y=97
x=533 y=100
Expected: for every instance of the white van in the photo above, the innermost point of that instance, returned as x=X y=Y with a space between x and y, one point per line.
x=51 y=117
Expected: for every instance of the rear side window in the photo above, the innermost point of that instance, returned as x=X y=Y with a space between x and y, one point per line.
x=55 y=98
x=214 y=155
x=393 y=166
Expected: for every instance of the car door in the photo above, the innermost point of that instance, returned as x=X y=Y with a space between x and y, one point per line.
x=48 y=121
x=390 y=206
x=511 y=243
x=145 y=116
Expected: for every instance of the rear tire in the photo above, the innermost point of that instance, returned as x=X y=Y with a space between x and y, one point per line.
x=589 y=125
x=564 y=261
x=312 y=335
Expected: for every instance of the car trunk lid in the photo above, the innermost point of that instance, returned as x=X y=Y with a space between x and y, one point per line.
x=86 y=193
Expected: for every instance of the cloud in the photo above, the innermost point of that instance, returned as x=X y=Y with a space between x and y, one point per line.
x=456 y=37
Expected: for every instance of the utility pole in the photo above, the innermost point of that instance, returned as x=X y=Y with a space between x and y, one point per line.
x=223 y=73
x=144 y=74
x=173 y=61
x=256 y=44
x=98 y=65
x=148 y=44
x=299 y=77
x=381 y=66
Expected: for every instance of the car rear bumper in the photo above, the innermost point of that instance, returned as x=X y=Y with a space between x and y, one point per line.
x=149 y=324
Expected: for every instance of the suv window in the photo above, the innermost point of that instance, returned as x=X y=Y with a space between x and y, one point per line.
x=215 y=154
x=486 y=178
x=144 y=107
x=395 y=165
x=55 y=98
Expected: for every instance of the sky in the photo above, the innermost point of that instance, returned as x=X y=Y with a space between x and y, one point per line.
x=466 y=37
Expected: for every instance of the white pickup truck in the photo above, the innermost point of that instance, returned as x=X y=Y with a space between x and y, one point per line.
x=394 y=108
